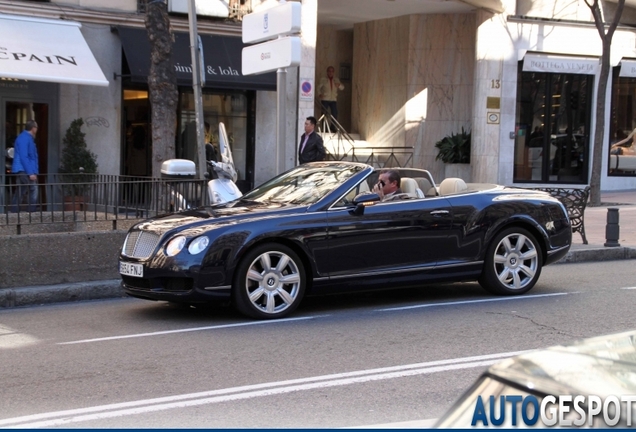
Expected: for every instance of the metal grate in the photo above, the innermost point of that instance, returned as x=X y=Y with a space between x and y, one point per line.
x=140 y=244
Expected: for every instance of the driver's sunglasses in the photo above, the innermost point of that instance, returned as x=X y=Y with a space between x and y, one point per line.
x=381 y=183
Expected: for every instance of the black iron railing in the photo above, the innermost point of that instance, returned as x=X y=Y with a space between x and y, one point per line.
x=342 y=147
x=91 y=197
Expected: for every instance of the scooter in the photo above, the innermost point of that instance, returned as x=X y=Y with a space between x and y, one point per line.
x=220 y=189
x=223 y=188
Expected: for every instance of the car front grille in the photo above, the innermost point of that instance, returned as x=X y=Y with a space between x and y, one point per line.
x=140 y=244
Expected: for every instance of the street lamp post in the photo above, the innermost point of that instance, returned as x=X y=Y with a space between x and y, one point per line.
x=198 y=81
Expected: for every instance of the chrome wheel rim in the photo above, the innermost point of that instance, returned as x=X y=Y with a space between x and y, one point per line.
x=516 y=261
x=272 y=282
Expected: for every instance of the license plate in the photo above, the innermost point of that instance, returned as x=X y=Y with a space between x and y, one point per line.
x=130 y=269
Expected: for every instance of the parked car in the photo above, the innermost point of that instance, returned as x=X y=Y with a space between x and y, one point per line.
x=318 y=228
x=600 y=367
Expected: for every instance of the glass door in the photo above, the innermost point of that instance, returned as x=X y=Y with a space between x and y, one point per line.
x=553 y=117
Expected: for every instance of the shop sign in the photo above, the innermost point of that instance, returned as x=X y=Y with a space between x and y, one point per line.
x=628 y=68
x=561 y=65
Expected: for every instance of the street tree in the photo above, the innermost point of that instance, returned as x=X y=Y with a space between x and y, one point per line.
x=162 y=83
x=606 y=33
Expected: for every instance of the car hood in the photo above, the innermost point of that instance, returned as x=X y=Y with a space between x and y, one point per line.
x=220 y=214
x=603 y=366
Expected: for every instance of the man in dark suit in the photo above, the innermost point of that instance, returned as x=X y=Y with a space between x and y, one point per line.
x=311 y=148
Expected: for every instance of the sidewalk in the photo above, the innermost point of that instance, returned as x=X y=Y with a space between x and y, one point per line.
x=595 y=221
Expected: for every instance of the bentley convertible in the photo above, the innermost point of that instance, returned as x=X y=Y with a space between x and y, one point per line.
x=318 y=228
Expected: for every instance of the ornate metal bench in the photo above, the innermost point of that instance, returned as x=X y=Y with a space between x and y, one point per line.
x=575 y=201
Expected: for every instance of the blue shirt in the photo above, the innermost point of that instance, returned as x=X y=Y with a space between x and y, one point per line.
x=25 y=156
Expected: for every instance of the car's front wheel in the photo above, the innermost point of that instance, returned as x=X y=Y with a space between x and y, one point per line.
x=513 y=263
x=270 y=282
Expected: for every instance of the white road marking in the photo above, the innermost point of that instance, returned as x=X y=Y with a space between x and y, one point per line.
x=185 y=330
x=10 y=338
x=250 y=323
x=630 y=288
x=470 y=301
x=58 y=418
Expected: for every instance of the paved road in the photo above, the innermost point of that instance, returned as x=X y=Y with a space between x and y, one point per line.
x=341 y=361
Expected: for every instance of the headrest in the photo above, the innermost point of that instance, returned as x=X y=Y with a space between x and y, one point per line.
x=423 y=183
x=451 y=186
x=409 y=186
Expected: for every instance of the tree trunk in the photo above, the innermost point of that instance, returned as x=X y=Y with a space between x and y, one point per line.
x=599 y=132
x=162 y=85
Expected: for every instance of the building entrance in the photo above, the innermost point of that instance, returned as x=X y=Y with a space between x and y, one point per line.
x=552 y=137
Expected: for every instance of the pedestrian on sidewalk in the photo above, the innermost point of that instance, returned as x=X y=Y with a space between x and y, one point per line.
x=25 y=167
x=311 y=147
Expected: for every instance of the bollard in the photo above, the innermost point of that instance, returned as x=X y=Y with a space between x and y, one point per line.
x=612 y=228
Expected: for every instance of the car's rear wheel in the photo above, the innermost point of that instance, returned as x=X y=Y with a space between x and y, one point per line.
x=513 y=263
x=270 y=282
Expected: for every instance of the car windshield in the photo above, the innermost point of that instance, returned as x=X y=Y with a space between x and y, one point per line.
x=303 y=185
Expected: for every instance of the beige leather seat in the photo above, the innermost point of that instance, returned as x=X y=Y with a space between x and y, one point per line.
x=451 y=186
x=425 y=186
x=363 y=187
x=409 y=186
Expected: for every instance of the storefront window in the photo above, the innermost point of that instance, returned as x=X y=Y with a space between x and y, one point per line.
x=552 y=133
x=137 y=140
x=622 y=157
x=229 y=108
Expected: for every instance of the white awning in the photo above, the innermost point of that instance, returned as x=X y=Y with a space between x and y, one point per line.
x=46 y=50
x=551 y=63
x=628 y=68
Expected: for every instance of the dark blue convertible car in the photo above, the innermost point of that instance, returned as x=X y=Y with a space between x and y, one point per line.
x=319 y=228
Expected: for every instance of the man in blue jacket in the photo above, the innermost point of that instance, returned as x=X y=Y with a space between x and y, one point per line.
x=25 y=166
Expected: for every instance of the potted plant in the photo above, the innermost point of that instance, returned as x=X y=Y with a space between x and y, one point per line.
x=454 y=151
x=77 y=164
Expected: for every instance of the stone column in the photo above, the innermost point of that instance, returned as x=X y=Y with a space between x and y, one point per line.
x=306 y=70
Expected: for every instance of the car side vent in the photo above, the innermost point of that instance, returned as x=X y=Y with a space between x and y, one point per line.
x=140 y=244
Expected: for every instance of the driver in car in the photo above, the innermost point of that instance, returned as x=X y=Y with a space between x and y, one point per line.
x=388 y=186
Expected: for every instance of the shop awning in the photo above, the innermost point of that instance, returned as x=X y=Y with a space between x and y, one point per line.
x=46 y=50
x=552 y=63
x=221 y=54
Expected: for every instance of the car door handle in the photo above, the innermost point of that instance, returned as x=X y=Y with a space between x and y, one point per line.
x=439 y=212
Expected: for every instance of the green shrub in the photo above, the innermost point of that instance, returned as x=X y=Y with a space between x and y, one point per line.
x=78 y=165
x=454 y=148
x=75 y=153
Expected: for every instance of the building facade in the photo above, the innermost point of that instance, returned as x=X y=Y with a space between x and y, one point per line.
x=520 y=75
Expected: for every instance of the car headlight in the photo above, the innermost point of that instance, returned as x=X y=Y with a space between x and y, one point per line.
x=198 y=244
x=175 y=245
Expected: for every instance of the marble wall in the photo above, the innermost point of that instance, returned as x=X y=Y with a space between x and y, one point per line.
x=416 y=105
x=100 y=107
x=492 y=149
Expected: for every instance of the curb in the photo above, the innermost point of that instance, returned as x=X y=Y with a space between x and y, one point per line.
x=598 y=254
x=72 y=292
x=105 y=289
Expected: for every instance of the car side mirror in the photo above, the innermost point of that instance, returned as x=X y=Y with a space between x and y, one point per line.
x=363 y=200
